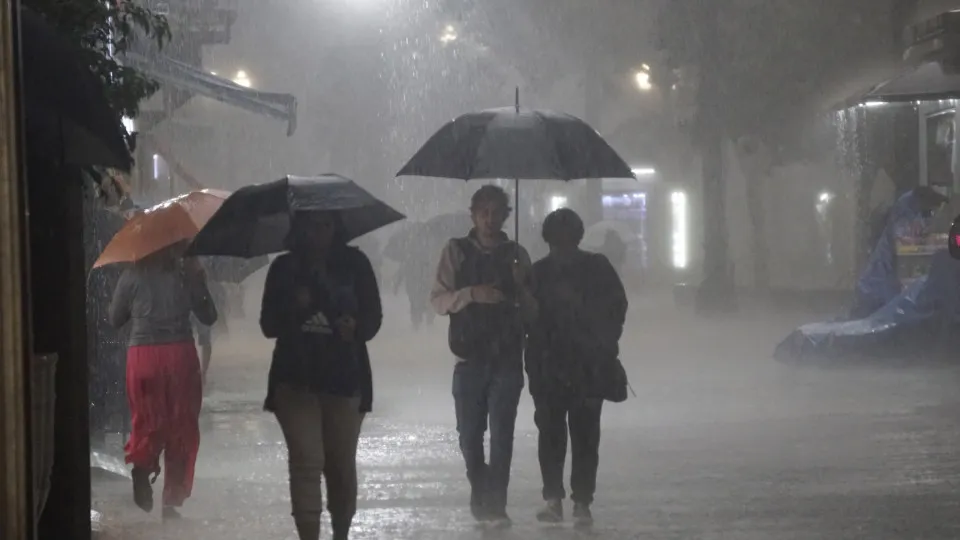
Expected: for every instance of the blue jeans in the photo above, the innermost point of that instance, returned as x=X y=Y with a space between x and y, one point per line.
x=482 y=390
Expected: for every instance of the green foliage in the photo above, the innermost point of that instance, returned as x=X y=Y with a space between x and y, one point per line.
x=107 y=29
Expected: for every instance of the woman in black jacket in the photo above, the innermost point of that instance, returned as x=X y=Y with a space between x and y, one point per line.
x=583 y=307
x=322 y=305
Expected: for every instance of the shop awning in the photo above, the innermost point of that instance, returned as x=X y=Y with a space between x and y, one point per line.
x=926 y=82
x=186 y=77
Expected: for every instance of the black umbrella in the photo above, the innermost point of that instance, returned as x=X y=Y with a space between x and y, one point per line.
x=517 y=143
x=256 y=219
x=66 y=103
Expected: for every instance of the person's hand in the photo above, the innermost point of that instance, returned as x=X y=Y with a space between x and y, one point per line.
x=303 y=297
x=520 y=274
x=347 y=327
x=486 y=294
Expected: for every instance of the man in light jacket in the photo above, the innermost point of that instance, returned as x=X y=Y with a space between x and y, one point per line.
x=484 y=284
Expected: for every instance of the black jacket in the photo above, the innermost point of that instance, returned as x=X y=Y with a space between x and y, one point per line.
x=583 y=308
x=314 y=360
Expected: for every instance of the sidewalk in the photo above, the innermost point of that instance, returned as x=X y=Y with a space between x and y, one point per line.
x=722 y=442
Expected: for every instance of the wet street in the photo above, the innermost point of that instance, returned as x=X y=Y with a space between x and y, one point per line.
x=721 y=442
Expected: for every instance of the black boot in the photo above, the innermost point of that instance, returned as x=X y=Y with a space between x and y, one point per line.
x=341 y=529
x=479 y=498
x=142 y=490
x=308 y=529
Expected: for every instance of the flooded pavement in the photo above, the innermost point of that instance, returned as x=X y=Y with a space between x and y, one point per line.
x=721 y=442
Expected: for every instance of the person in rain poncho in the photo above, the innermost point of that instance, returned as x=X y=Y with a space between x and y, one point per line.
x=879 y=282
x=322 y=305
x=484 y=284
x=157 y=296
x=583 y=306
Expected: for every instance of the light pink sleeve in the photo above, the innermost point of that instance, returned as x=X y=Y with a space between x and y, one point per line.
x=444 y=296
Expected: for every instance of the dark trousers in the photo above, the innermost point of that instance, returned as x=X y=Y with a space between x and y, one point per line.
x=553 y=413
x=481 y=391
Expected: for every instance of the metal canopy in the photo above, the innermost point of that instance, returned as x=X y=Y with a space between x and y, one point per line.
x=926 y=82
x=186 y=77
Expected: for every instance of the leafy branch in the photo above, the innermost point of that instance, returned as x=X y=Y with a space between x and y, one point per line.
x=106 y=29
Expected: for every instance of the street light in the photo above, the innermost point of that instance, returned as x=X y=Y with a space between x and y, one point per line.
x=643 y=171
x=557 y=202
x=642 y=79
x=242 y=79
x=449 y=34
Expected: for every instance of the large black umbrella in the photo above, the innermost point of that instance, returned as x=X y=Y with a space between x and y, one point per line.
x=256 y=219
x=517 y=143
x=66 y=104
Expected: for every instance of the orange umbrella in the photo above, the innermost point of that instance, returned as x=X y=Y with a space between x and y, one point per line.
x=162 y=226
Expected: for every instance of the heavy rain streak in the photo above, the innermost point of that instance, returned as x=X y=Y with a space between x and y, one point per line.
x=520 y=269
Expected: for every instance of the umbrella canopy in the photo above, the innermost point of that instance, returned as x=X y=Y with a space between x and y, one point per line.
x=162 y=226
x=256 y=220
x=418 y=239
x=517 y=143
x=66 y=103
x=404 y=241
x=449 y=225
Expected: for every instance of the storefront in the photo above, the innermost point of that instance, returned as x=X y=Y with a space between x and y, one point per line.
x=652 y=217
x=930 y=84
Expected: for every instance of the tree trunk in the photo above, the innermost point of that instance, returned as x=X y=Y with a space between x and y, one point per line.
x=755 y=163
x=716 y=292
x=760 y=250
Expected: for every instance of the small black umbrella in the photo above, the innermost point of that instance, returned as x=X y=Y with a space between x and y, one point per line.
x=66 y=103
x=517 y=143
x=256 y=219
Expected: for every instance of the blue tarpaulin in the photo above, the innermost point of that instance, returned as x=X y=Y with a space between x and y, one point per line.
x=186 y=77
x=879 y=283
x=911 y=323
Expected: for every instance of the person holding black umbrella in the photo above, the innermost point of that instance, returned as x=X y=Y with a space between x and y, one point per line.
x=322 y=305
x=484 y=284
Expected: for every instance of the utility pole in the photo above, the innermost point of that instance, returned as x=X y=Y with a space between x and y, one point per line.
x=16 y=486
x=716 y=292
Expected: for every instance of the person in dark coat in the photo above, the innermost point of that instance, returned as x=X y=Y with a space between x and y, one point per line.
x=582 y=309
x=322 y=305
